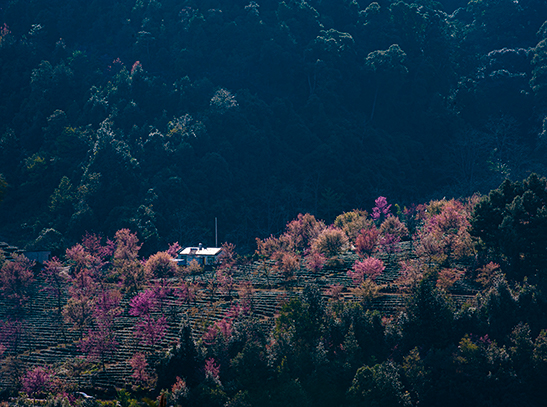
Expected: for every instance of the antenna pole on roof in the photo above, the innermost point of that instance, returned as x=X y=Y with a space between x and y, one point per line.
x=216 y=233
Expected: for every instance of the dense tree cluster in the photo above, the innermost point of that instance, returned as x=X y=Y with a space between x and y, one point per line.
x=160 y=115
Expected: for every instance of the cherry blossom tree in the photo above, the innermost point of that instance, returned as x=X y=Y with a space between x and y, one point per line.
x=228 y=256
x=17 y=280
x=179 y=391
x=93 y=244
x=186 y=292
x=78 y=258
x=39 y=381
x=149 y=328
x=448 y=277
x=370 y=268
x=92 y=256
x=315 y=262
x=140 y=367
x=79 y=308
x=212 y=370
x=161 y=266
x=389 y=244
x=126 y=245
x=335 y=291
x=194 y=268
x=101 y=339
x=448 y=224
x=381 y=210
x=125 y=260
x=410 y=274
x=174 y=249
x=287 y=263
x=489 y=274
x=353 y=223
x=442 y=243
x=268 y=247
x=99 y=254
x=133 y=274
x=212 y=288
x=302 y=231
x=366 y=241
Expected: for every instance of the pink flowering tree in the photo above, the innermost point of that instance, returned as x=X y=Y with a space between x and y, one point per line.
x=161 y=267
x=334 y=291
x=389 y=244
x=78 y=258
x=368 y=268
x=99 y=255
x=127 y=245
x=367 y=241
x=228 y=256
x=219 y=335
x=126 y=262
x=39 y=381
x=101 y=340
x=91 y=256
x=149 y=328
x=93 y=245
x=88 y=276
x=212 y=370
x=315 y=262
x=449 y=226
x=186 y=292
x=303 y=230
x=174 y=249
x=410 y=273
x=78 y=310
x=17 y=280
x=219 y=330
x=381 y=210
x=141 y=374
x=287 y=264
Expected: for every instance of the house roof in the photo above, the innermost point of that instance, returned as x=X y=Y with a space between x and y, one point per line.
x=200 y=251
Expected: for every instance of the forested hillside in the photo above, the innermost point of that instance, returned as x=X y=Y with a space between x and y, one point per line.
x=440 y=304
x=161 y=115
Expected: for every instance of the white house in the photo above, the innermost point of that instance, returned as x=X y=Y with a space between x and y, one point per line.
x=205 y=256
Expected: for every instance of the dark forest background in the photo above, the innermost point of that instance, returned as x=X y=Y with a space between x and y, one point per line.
x=159 y=116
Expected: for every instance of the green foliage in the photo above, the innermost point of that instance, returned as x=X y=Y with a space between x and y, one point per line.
x=430 y=315
x=256 y=112
x=511 y=222
x=379 y=385
x=63 y=197
x=156 y=116
x=330 y=242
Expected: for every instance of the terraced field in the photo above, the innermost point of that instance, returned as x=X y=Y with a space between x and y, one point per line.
x=47 y=340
